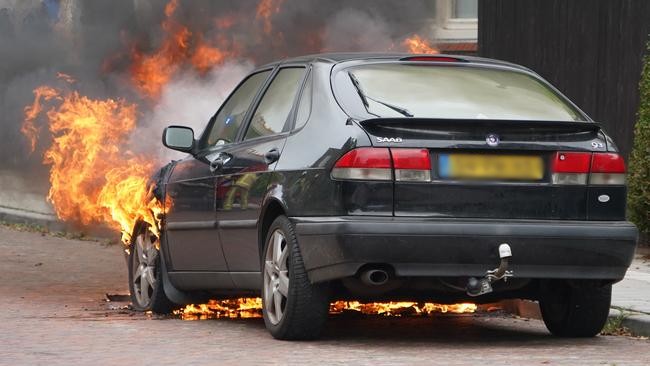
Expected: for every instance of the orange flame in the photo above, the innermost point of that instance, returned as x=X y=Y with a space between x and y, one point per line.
x=29 y=128
x=91 y=179
x=205 y=57
x=417 y=44
x=252 y=308
x=265 y=11
x=151 y=72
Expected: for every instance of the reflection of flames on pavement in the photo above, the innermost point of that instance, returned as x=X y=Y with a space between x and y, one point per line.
x=252 y=308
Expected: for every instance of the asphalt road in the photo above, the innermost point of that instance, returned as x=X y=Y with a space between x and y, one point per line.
x=53 y=311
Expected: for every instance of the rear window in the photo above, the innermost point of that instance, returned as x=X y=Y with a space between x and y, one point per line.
x=455 y=92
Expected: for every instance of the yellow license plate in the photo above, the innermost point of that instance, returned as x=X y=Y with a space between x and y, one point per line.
x=486 y=166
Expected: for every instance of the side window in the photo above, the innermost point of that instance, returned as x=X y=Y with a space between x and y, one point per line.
x=272 y=114
x=230 y=117
x=304 y=108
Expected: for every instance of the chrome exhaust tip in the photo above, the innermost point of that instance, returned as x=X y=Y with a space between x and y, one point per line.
x=375 y=277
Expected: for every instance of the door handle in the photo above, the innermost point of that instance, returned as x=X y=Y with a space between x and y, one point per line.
x=272 y=156
x=218 y=162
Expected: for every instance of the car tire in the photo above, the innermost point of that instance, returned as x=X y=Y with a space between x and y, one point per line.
x=575 y=310
x=301 y=314
x=145 y=273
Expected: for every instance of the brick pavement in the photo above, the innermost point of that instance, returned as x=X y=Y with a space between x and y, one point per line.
x=53 y=313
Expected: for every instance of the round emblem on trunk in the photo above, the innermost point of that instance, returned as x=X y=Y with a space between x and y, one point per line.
x=492 y=139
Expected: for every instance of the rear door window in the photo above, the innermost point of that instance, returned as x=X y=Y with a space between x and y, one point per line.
x=272 y=114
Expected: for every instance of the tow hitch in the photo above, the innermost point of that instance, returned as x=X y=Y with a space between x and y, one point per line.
x=476 y=287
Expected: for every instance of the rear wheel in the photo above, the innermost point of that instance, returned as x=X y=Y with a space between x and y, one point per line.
x=293 y=308
x=575 y=310
x=145 y=273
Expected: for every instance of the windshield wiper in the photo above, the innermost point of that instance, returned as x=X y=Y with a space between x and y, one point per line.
x=364 y=98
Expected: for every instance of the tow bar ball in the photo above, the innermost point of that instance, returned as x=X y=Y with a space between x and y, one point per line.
x=478 y=287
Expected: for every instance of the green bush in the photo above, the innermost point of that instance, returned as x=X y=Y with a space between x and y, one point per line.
x=639 y=166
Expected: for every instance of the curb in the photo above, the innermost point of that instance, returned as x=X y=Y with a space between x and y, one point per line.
x=637 y=323
x=52 y=223
x=22 y=216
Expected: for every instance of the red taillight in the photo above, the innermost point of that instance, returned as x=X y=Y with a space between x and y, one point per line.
x=583 y=167
x=411 y=159
x=571 y=162
x=607 y=169
x=365 y=157
x=369 y=163
x=364 y=163
x=412 y=165
x=607 y=163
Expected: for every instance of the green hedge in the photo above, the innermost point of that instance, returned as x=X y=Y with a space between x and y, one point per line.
x=639 y=164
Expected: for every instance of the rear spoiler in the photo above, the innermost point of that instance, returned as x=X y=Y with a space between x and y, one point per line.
x=429 y=129
x=376 y=124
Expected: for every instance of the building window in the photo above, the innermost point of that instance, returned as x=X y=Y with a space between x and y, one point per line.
x=456 y=20
x=465 y=9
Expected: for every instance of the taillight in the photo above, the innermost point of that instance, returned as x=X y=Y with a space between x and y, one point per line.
x=570 y=168
x=367 y=163
x=583 y=167
x=607 y=169
x=412 y=165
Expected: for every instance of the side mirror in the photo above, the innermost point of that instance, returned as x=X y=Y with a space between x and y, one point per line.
x=179 y=138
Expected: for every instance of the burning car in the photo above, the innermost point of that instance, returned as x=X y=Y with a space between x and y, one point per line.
x=389 y=177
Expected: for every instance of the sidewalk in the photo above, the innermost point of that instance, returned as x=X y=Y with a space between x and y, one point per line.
x=631 y=297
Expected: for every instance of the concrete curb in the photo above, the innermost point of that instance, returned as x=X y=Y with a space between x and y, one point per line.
x=637 y=323
x=21 y=216
x=53 y=224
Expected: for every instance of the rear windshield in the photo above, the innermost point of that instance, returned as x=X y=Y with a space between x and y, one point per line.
x=457 y=92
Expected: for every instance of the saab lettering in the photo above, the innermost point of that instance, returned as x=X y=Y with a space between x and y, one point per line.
x=389 y=139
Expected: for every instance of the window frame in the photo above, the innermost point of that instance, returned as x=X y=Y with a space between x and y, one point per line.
x=208 y=129
x=308 y=82
x=291 y=117
x=451 y=28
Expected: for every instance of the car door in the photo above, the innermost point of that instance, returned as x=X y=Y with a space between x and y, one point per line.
x=192 y=237
x=245 y=178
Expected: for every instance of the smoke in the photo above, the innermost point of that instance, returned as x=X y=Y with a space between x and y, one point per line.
x=372 y=31
x=94 y=42
x=189 y=100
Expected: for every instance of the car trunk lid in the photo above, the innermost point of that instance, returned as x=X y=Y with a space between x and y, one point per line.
x=494 y=147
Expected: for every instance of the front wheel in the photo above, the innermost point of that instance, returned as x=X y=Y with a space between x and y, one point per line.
x=293 y=308
x=145 y=273
x=575 y=310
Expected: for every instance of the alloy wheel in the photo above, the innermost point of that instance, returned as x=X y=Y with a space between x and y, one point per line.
x=144 y=267
x=276 y=277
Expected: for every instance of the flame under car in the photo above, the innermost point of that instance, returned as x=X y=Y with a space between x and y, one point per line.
x=384 y=177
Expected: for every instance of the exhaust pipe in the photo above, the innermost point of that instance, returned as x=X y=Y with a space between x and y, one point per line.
x=374 y=277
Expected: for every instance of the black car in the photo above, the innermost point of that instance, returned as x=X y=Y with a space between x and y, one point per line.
x=390 y=177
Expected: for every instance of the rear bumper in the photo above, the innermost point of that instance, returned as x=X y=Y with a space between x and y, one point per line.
x=336 y=247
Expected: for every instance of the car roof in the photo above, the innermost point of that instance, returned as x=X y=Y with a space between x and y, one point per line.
x=339 y=57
